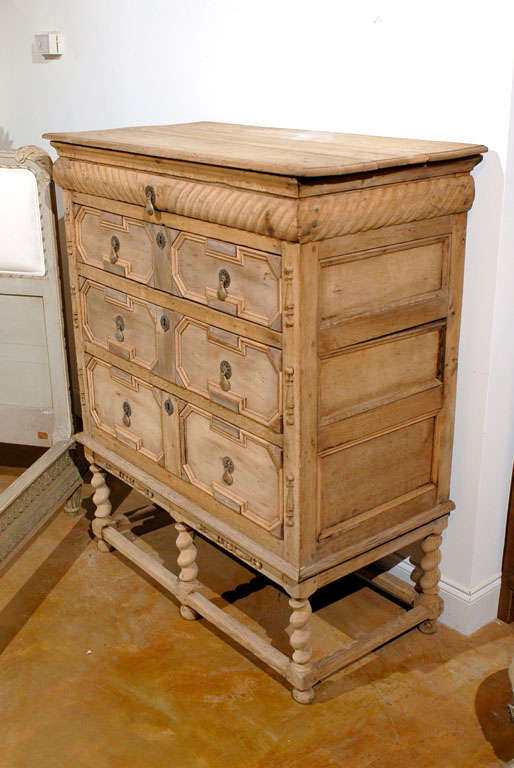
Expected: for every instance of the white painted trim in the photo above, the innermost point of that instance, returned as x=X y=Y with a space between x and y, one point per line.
x=465 y=610
x=48 y=289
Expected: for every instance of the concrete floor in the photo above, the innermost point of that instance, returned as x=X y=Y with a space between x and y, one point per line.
x=98 y=670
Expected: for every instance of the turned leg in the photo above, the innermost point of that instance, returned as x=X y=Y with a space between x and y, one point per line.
x=188 y=567
x=300 y=639
x=426 y=575
x=72 y=505
x=102 y=506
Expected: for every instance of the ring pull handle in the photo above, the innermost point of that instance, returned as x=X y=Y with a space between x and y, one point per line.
x=115 y=249
x=228 y=466
x=225 y=375
x=223 y=284
x=150 y=200
x=120 y=327
x=127 y=412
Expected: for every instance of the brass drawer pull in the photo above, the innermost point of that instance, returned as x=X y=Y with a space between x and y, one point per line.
x=165 y=323
x=120 y=327
x=150 y=200
x=223 y=284
x=115 y=249
x=225 y=375
x=127 y=412
x=160 y=239
x=168 y=406
x=228 y=466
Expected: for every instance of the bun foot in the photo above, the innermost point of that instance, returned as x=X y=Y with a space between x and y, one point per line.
x=188 y=613
x=428 y=627
x=303 y=697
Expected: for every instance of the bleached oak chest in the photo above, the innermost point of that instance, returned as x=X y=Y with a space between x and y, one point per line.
x=267 y=329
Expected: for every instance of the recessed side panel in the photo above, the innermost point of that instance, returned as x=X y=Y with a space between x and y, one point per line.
x=362 y=480
x=366 y=375
x=369 y=294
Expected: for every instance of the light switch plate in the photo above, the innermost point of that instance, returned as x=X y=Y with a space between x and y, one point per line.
x=50 y=43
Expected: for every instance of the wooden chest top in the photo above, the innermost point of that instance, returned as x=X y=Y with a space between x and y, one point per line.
x=279 y=151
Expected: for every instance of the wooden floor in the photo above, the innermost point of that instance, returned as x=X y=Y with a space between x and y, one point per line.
x=98 y=670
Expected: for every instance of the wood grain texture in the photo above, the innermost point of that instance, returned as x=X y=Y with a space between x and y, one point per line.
x=344 y=213
x=304 y=220
x=184 y=353
x=398 y=462
x=273 y=216
x=234 y=467
x=364 y=376
x=274 y=353
x=274 y=150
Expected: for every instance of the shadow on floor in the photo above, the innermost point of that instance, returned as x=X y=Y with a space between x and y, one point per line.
x=493 y=695
x=42 y=581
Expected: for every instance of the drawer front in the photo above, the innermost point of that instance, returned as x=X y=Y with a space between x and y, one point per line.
x=124 y=246
x=130 y=328
x=241 y=471
x=372 y=374
x=132 y=411
x=233 y=371
x=232 y=278
x=230 y=370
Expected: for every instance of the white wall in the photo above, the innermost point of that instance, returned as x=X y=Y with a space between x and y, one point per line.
x=441 y=70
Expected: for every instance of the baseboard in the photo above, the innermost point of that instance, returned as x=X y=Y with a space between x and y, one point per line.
x=464 y=610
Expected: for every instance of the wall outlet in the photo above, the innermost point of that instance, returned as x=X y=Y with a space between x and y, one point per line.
x=50 y=44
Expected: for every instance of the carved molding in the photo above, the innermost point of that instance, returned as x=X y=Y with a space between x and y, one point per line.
x=289 y=406
x=346 y=213
x=45 y=494
x=295 y=220
x=32 y=154
x=288 y=298
x=252 y=211
x=290 y=501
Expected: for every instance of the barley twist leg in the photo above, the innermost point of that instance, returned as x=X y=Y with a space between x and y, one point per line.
x=300 y=640
x=102 y=505
x=426 y=575
x=188 y=567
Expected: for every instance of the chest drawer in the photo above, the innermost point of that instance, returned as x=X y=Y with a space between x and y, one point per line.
x=123 y=246
x=130 y=410
x=130 y=328
x=239 y=470
x=241 y=374
x=234 y=279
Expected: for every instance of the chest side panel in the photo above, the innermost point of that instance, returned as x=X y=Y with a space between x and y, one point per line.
x=388 y=324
